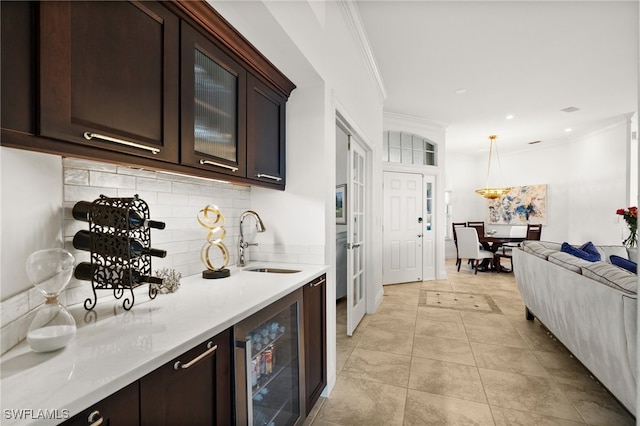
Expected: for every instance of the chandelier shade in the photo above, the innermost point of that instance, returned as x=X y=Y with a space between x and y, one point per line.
x=487 y=192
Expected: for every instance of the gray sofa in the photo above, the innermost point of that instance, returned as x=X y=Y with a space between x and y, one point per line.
x=590 y=307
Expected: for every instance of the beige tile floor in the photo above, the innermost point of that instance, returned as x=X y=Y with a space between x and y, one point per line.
x=459 y=352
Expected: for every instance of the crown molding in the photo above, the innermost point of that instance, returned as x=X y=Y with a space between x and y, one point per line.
x=413 y=119
x=350 y=11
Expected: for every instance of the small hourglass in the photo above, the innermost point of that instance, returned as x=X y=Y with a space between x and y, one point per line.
x=53 y=327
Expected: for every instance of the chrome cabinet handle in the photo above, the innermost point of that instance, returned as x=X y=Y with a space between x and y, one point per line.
x=224 y=166
x=180 y=366
x=262 y=175
x=88 y=136
x=95 y=418
x=322 y=281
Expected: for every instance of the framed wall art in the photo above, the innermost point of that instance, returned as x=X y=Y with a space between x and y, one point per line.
x=341 y=204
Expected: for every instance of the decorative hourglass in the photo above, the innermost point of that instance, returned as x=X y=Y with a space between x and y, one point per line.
x=53 y=327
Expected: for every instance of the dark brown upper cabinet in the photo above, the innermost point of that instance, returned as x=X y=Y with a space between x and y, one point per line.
x=265 y=133
x=161 y=85
x=108 y=76
x=213 y=95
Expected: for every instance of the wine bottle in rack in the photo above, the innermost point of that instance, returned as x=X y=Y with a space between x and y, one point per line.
x=112 y=216
x=113 y=245
x=87 y=271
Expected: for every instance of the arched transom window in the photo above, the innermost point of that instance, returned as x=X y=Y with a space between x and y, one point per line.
x=406 y=148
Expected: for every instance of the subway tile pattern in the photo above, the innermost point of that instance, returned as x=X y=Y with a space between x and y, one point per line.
x=172 y=198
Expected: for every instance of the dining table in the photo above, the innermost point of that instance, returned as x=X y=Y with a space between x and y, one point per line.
x=493 y=243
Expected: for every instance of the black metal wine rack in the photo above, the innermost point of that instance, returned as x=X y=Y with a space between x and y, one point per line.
x=114 y=264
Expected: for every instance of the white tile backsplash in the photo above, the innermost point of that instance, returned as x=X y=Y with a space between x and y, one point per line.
x=172 y=198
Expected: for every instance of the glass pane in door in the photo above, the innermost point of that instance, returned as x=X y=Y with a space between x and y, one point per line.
x=274 y=369
x=215 y=109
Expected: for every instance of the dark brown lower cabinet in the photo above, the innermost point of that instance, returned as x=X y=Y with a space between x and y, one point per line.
x=121 y=408
x=193 y=389
x=315 y=339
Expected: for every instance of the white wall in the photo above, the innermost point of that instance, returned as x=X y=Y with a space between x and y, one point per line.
x=31 y=202
x=586 y=183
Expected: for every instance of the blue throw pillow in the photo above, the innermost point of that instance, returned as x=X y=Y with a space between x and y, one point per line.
x=591 y=249
x=578 y=252
x=624 y=263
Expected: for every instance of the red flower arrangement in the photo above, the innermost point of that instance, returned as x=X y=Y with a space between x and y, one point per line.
x=630 y=215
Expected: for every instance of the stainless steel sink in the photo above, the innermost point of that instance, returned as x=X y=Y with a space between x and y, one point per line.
x=273 y=270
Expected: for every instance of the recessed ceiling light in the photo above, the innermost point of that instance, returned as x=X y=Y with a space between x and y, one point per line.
x=509 y=117
x=461 y=91
x=567 y=130
x=570 y=109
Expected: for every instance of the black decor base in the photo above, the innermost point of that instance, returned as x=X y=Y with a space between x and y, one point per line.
x=211 y=275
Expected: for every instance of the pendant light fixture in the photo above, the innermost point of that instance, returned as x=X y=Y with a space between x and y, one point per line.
x=492 y=193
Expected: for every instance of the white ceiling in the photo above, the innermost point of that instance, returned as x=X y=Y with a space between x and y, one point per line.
x=530 y=59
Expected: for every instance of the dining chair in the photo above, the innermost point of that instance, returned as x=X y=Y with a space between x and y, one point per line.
x=469 y=247
x=534 y=232
x=455 y=225
x=479 y=225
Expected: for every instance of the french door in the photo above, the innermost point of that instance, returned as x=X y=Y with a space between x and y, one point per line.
x=356 y=236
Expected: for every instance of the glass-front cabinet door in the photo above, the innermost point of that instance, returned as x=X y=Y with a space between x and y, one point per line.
x=213 y=101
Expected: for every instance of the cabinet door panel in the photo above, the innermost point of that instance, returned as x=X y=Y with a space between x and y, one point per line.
x=18 y=69
x=120 y=409
x=315 y=337
x=111 y=69
x=213 y=106
x=197 y=395
x=265 y=133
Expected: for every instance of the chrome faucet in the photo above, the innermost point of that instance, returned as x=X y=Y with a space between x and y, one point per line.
x=242 y=244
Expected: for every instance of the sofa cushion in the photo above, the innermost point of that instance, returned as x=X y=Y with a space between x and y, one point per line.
x=568 y=261
x=591 y=254
x=624 y=263
x=607 y=251
x=612 y=276
x=540 y=249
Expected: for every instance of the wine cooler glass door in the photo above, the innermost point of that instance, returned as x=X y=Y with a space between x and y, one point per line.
x=268 y=355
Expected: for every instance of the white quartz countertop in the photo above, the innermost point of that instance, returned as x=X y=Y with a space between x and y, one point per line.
x=114 y=347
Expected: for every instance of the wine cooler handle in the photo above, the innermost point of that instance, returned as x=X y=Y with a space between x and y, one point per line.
x=224 y=166
x=88 y=136
x=246 y=346
x=180 y=366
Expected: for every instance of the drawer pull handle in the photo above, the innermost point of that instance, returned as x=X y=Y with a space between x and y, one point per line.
x=225 y=166
x=88 y=136
x=180 y=366
x=262 y=175
x=95 y=419
x=320 y=282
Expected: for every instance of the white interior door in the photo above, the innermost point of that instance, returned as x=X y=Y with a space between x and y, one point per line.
x=402 y=228
x=356 y=241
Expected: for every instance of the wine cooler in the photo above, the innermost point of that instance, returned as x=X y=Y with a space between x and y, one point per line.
x=268 y=356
